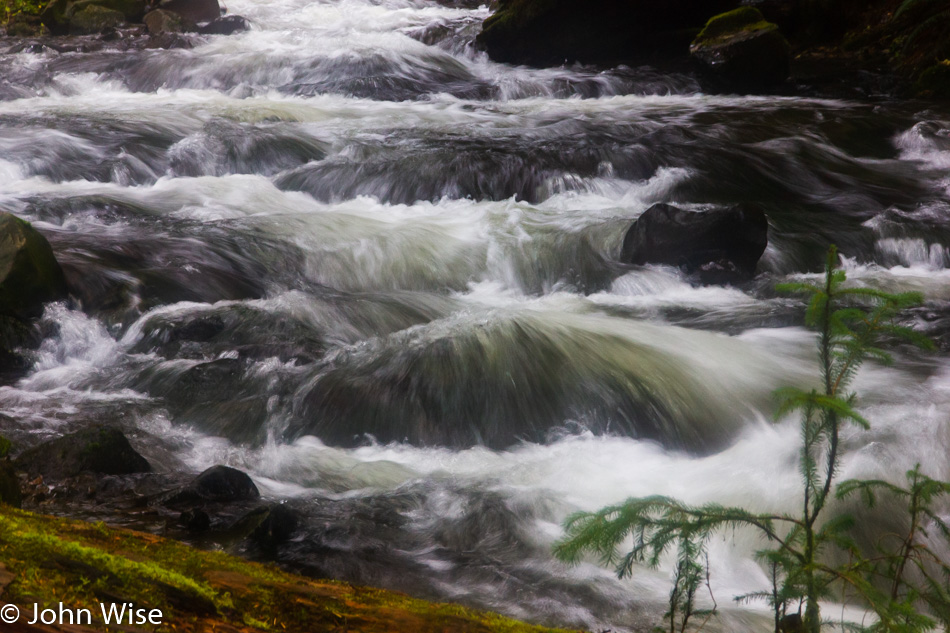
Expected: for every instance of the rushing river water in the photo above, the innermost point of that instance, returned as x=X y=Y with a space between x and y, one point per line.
x=350 y=255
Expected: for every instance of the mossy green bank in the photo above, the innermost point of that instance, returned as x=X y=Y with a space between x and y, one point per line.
x=82 y=564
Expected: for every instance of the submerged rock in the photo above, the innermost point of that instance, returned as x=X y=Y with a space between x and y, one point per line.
x=30 y=276
x=506 y=380
x=719 y=246
x=742 y=49
x=551 y=32
x=99 y=449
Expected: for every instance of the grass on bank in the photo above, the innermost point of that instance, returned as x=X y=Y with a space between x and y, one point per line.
x=82 y=564
x=10 y=8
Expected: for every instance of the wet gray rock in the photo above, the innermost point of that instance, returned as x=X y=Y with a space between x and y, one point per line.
x=718 y=246
x=98 y=449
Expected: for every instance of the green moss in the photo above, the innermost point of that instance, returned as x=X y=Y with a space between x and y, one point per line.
x=10 y=8
x=917 y=10
x=935 y=81
x=726 y=25
x=74 y=562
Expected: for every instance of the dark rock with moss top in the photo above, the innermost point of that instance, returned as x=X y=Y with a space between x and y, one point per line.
x=94 y=19
x=30 y=276
x=743 y=50
x=131 y=10
x=194 y=10
x=550 y=32
x=99 y=449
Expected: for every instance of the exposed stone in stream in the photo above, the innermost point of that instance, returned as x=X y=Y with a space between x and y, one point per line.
x=98 y=449
x=718 y=246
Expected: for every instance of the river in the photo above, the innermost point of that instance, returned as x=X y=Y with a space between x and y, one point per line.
x=348 y=254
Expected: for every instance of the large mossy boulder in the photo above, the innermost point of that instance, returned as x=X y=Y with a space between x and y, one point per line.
x=551 y=32
x=30 y=276
x=94 y=19
x=716 y=246
x=162 y=21
x=131 y=10
x=743 y=50
x=194 y=10
x=98 y=449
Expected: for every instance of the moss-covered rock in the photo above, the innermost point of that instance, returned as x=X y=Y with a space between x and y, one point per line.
x=94 y=19
x=30 y=276
x=742 y=49
x=934 y=82
x=82 y=564
x=193 y=10
x=162 y=21
x=131 y=10
x=548 y=32
x=98 y=449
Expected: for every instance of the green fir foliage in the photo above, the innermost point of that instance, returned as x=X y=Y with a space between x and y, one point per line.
x=854 y=324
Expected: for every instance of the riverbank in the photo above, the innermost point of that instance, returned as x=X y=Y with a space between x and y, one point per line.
x=48 y=561
x=838 y=48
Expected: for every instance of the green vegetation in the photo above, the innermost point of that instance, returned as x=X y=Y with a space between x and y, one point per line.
x=11 y=8
x=727 y=25
x=82 y=564
x=853 y=324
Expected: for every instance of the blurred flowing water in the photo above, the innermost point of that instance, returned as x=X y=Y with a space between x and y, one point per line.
x=349 y=254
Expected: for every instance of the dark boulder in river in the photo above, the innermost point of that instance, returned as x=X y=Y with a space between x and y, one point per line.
x=743 y=50
x=719 y=246
x=98 y=449
x=218 y=483
x=29 y=273
x=550 y=32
